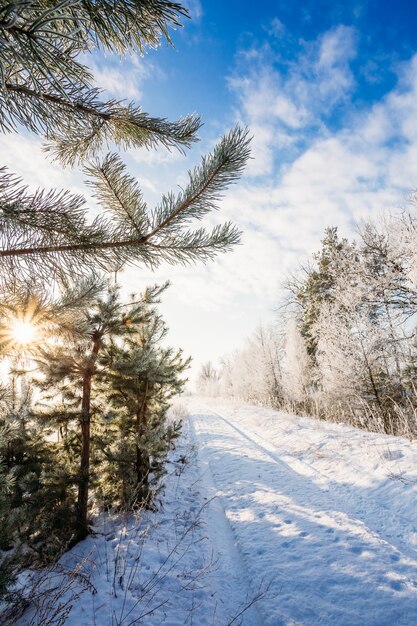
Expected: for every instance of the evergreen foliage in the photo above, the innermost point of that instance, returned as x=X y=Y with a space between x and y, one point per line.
x=40 y=501
x=107 y=393
x=45 y=88
x=140 y=377
x=50 y=232
x=98 y=431
x=318 y=286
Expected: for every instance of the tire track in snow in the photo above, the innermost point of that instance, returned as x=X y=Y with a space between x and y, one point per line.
x=288 y=527
x=232 y=576
x=363 y=506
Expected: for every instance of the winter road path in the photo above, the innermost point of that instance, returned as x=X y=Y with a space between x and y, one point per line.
x=326 y=549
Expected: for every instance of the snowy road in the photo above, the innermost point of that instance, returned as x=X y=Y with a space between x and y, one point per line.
x=324 y=514
x=321 y=515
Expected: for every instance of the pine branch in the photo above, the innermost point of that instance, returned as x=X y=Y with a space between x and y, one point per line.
x=44 y=88
x=193 y=246
x=49 y=232
x=120 y=194
x=28 y=30
x=207 y=182
x=127 y=25
x=79 y=124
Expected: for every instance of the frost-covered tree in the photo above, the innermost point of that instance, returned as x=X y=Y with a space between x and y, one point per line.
x=208 y=380
x=350 y=364
x=317 y=286
x=253 y=374
x=296 y=364
x=349 y=339
x=359 y=331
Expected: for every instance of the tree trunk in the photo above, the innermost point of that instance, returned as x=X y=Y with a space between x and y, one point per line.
x=81 y=522
x=142 y=459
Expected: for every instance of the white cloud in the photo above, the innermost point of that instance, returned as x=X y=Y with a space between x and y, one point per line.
x=24 y=156
x=157 y=156
x=334 y=178
x=298 y=97
x=276 y=28
x=114 y=82
x=367 y=166
x=195 y=8
x=123 y=80
x=336 y=48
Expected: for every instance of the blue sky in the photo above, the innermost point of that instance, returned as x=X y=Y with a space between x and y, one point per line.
x=208 y=48
x=329 y=91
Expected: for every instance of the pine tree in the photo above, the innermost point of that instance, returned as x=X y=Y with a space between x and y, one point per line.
x=318 y=286
x=140 y=376
x=38 y=484
x=70 y=369
x=46 y=89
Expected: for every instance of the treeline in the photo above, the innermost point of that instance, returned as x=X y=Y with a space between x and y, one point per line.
x=345 y=345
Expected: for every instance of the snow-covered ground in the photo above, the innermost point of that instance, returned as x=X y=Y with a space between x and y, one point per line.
x=309 y=523
x=324 y=513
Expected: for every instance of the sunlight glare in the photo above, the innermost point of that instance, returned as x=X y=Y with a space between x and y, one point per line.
x=23 y=332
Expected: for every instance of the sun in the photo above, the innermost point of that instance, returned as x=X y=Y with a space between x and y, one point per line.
x=22 y=332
